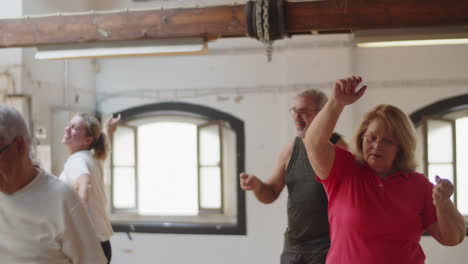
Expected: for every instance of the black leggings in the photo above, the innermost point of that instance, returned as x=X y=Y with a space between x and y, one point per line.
x=106 y=246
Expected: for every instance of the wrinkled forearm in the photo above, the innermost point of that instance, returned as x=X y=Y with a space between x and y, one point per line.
x=321 y=129
x=265 y=193
x=451 y=224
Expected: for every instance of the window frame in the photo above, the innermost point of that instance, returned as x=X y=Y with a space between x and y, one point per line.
x=219 y=125
x=439 y=109
x=210 y=114
x=135 y=168
x=425 y=130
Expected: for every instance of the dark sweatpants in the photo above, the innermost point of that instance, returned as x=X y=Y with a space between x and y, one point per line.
x=297 y=258
x=106 y=246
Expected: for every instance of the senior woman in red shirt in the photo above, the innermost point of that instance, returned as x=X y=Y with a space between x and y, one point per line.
x=378 y=207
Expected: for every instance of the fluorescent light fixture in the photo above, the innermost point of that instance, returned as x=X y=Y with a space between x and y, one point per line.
x=411 y=37
x=407 y=43
x=150 y=47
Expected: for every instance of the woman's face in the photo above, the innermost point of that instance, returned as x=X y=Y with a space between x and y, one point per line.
x=379 y=147
x=75 y=134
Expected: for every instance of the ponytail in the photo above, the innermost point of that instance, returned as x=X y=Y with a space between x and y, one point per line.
x=100 y=145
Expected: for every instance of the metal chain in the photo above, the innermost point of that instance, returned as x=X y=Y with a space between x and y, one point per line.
x=258 y=18
x=266 y=30
x=266 y=26
x=263 y=26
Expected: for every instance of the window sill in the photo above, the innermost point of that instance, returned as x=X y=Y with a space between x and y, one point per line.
x=179 y=228
x=218 y=224
x=194 y=219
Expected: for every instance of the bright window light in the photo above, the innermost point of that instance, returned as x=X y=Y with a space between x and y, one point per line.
x=167 y=169
x=440 y=142
x=174 y=170
x=209 y=146
x=462 y=164
x=210 y=181
x=124 y=169
x=440 y=150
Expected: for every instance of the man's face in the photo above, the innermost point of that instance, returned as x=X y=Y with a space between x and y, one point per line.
x=303 y=112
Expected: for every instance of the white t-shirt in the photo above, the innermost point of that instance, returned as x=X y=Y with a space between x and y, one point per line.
x=43 y=223
x=83 y=162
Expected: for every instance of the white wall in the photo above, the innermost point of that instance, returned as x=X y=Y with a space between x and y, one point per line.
x=53 y=6
x=10 y=59
x=407 y=77
x=56 y=85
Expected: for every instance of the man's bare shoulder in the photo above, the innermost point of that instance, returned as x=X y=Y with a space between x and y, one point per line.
x=286 y=152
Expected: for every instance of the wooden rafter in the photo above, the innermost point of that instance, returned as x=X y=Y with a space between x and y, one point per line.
x=228 y=21
x=374 y=14
x=131 y=25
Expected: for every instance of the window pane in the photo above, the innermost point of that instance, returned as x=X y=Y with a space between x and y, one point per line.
x=440 y=142
x=444 y=171
x=462 y=165
x=210 y=188
x=124 y=147
x=167 y=169
x=209 y=145
x=124 y=188
x=230 y=177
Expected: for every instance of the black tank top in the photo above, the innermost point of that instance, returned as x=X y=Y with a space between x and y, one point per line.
x=307 y=230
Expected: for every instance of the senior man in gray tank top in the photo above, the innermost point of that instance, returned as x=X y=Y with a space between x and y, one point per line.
x=306 y=240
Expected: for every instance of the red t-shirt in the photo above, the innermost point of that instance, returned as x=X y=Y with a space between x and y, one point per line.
x=375 y=221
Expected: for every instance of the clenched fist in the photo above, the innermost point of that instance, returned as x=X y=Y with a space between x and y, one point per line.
x=249 y=182
x=442 y=190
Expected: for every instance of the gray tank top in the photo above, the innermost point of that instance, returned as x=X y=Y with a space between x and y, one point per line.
x=307 y=230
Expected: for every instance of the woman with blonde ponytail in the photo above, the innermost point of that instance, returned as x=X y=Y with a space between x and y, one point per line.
x=88 y=147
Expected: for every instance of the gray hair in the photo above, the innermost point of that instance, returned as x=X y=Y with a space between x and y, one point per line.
x=319 y=98
x=12 y=125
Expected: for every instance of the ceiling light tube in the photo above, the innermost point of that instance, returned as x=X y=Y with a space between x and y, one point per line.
x=150 y=47
x=404 y=37
x=408 y=43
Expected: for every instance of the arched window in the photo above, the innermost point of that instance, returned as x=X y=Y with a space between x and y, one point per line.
x=443 y=127
x=174 y=169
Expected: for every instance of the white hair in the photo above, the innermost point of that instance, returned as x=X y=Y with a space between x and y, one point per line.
x=319 y=98
x=12 y=125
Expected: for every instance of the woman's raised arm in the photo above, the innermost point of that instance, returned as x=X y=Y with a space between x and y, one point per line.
x=320 y=150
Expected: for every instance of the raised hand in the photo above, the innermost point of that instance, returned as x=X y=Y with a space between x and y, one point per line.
x=442 y=190
x=344 y=90
x=110 y=125
x=249 y=182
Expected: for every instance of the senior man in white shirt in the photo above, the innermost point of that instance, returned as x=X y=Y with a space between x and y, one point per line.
x=42 y=220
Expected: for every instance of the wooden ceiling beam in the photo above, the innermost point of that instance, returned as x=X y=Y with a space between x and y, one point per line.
x=336 y=15
x=126 y=25
x=228 y=21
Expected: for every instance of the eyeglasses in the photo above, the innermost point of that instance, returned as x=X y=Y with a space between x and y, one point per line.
x=2 y=149
x=293 y=111
x=371 y=140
